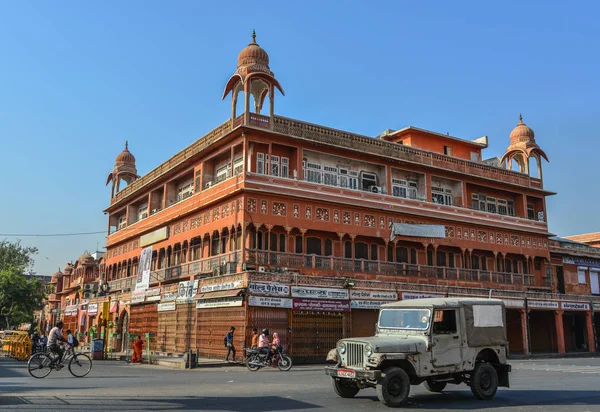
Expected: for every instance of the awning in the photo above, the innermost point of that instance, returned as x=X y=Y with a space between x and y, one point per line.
x=219 y=294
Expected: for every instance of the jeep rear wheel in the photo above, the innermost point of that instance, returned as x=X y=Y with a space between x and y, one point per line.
x=432 y=386
x=394 y=387
x=484 y=381
x=344 y=388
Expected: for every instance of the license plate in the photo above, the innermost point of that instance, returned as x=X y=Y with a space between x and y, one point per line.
x=344 y=373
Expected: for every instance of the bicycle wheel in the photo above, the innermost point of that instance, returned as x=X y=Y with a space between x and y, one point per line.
x=39 y=365
x=80 y=365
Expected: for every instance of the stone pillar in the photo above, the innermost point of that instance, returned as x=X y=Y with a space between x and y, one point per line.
x=560 y=332
x=269 y=228
x=525 y=331
x=303 y=233
x=288 y=230
x=590 y=331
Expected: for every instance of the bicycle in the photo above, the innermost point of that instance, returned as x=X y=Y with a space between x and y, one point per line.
x=41 y=364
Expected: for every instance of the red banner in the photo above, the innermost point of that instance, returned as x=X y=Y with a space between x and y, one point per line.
x=114 y=307
x=327 y=305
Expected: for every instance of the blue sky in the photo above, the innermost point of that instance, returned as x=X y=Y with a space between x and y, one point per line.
x=77 y=79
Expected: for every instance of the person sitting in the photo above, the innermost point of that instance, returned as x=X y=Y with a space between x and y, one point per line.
x=254 y=343
x=264 y=344
x=56 y=336
x=276 y=342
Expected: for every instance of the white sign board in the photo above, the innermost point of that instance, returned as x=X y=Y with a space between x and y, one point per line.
x=168 y=297
x=269 y=289
x=319 y=293
x=186 y=291
x=143 y=275
x=138 y=297
x=373 y=294
x=367 y=304
x=405 y=229
x=542 y=304
x=514 y=303
x=409 y=295
x=268 y=302
x=166 y=307
x=575 y=306
x=222 y=286
x=219 y=303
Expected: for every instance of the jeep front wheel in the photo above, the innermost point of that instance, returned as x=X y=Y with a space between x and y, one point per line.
x=394 y=387
x=345 y=389
x=432 y=386
x=484 y=381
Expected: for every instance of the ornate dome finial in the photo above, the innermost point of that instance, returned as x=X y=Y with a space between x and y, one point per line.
x=253 y=36
x=520 y=117
x=127 y=144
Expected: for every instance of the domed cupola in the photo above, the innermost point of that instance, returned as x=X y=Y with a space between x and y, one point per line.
x=254 y=78
x=124 y=169
x=522 y=148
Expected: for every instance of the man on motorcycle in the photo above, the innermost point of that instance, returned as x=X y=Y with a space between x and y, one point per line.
x=264 y=344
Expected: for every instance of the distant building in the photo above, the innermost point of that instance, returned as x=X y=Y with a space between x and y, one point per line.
x=592 y=239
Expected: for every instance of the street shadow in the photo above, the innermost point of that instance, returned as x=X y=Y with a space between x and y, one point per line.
x=225 y=403
x=464 y=400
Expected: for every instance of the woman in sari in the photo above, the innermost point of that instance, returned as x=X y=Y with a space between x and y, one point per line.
x=137 y=350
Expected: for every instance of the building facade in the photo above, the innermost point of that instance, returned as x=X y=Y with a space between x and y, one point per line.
x=268 y=221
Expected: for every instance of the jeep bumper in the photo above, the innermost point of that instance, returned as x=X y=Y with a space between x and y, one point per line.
x=347 y=373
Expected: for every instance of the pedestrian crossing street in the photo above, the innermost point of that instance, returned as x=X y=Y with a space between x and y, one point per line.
x=538 y=367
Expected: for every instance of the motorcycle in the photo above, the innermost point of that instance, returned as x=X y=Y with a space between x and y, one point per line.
x=255 y=360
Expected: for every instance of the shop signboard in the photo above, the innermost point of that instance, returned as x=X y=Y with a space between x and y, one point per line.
x=166 y=307
x=326 y=305
x=234 y=284
x=542 y=304
x=373 y=294
x=168 y=297
x=219 y=303
x=152 y=294
x=92 y=309
x=367 y=304
x=186 y=291
x=269 y=302
x=410 y=295
x=319 y=293
x=269 y=289
x=71 y=310
x=575 y=306
x=514 y=303
x=137 y=297
x=417 y=230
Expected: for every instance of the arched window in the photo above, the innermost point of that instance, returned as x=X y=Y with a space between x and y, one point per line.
x=238 y=239
x=390 y=253
x=361 y=251
x=328 y=247
x=374 y=252
x=196 y=247
x=313 y=246
x=282 y=243
x=413 y=256
x=161 y=258
x=299 y=244
x=259 y=240
x=475 y=262
x=216 y=246
x=441 y=259
x=401 y=254
x=184 y=251
x=348 y=249
x=508 y=265
x=451 y=260
x=154 y=260
x=169 y=256
x=429 y=257
x=273 y=242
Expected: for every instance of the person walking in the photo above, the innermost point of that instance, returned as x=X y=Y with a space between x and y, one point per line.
x=138 y=346
x=229 y=344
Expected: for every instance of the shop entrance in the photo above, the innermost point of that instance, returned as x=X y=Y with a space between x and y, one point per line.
x=364 y=322
x=144 y=319
x=597 y=329
x=314 y=334
x=575 y=327
x=542 y=331
x=514 y=330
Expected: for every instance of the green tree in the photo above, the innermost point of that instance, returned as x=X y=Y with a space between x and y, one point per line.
x=13 y=255
x=19 y=297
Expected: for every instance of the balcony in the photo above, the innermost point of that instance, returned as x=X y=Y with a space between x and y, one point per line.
x=405 y=271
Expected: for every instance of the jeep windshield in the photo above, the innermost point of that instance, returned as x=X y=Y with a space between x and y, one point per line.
x=409 y=319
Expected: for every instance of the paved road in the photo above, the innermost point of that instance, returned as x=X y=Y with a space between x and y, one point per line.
x=571 y=385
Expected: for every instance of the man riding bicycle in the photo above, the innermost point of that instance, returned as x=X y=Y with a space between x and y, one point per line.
x=53 y=339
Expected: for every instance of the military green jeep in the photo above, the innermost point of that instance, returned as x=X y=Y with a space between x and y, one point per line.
x=431 y=341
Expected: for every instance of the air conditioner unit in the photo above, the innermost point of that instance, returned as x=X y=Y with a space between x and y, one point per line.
x=208 y=184
x=87 y=286
x=376 y=189
x=261 y=269
x=87 y=295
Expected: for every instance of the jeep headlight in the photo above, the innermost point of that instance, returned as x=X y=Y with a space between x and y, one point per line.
x=368 y=350
x=342 y=347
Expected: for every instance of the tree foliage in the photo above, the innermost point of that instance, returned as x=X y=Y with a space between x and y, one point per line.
x=19 y=297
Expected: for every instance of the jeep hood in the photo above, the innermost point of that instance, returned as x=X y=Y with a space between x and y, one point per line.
x=394 y=344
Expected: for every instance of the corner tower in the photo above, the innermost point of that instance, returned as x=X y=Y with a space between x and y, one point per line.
x=253 y=77
x=522 y=148
x=124 y=170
